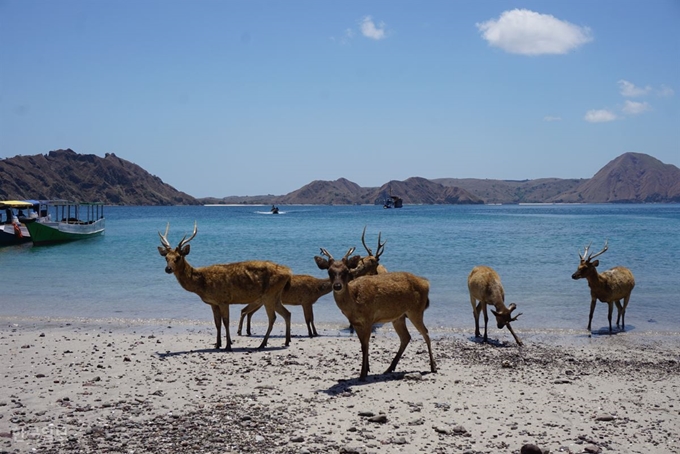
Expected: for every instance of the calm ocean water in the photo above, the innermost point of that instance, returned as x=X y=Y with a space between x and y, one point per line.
x=533 y=248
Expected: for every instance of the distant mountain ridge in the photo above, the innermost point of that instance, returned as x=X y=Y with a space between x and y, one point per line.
x=65 y=174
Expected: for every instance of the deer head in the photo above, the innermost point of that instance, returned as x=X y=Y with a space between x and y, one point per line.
x=173 y=257
x=504 y=317
x=369 y=264
x=339 y=271
x=587 y=266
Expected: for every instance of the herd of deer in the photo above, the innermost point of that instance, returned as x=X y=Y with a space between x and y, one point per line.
x=365 y=292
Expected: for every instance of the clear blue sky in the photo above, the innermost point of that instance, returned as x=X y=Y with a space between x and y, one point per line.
x=232 y=97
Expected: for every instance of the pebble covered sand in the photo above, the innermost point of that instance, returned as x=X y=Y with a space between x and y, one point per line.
x=79 y=386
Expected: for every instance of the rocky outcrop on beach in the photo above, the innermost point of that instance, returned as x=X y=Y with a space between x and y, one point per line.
x=157 y=387
x=67 y=175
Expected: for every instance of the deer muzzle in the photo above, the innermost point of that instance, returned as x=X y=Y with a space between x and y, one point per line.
x=168 y=270
x=337 y=286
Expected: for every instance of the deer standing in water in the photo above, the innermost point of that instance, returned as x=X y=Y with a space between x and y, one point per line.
x=232 y=283
x=305 y=290
x=388 y=297
x=610 y=286
x=484 y=285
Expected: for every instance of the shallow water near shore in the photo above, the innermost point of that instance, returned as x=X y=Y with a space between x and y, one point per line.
x=534 y=249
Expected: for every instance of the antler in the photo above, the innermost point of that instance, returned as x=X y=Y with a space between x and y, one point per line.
x=381 y=246
x=327 y=254
x=585 y=252
x=349 y=252
x=363 y=234
x=606 y=246
x=183 y=242
x=164 y=238
x=512 y=307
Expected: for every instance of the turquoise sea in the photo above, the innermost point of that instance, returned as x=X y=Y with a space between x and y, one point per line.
x=534 y=248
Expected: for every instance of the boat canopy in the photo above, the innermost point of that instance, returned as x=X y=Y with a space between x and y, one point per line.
x=15 y=204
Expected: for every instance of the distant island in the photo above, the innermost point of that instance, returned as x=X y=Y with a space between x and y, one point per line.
x=65 y=174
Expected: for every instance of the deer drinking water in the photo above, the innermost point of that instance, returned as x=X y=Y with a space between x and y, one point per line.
x=305 y=290
x=610 y=286
x=388 y=297
x=485 y=286
x=232 y=283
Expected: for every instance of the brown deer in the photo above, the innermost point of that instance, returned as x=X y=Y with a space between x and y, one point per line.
x=388 y=297
x=232 y=283
x=305 y=290
x=485 y=286
x=609 y=286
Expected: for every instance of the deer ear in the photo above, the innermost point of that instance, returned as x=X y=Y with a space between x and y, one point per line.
x=353 y=262
x=185 y=250
x=321 y=262
x=595 y=263
x=163 y=251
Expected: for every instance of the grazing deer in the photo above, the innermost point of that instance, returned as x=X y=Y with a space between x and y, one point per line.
x=388 y=297
x=485 y=286
x=233 y=283
x=305 y=290
x=609 y=286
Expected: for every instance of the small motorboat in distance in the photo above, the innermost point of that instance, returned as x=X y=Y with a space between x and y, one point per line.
x=274 y=210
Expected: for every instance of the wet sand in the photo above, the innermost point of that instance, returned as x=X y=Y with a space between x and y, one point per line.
x=160 y=387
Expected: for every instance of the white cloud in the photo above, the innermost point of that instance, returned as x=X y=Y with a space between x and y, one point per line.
x=666 y=92
x=525 y=32
x=629 y=90
x=599 y=116
x=551 y=118
x=370 y=30
x=635 y=108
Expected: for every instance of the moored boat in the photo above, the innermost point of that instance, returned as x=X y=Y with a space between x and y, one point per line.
x=67 y=221
x=13 y=230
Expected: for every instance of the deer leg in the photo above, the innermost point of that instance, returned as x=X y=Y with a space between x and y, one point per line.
x=623 y=311
x=244 y=313
x=400 y=327
x=224 y=310
x=475 y=313
x=609 y=314
x=218 y=325
x=519 y=342
x=417 y=320
x=364 y=335
x=248 y=319
x=619 y=309
x=592 y=310
x=271 y=315
x=285 y=313
x=486 y=321
x=309 y=319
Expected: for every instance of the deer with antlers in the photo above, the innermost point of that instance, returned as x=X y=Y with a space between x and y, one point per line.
x=388 y=297
x=305 y=290
x=484 y=285
x=232 y=283
x=610 y=286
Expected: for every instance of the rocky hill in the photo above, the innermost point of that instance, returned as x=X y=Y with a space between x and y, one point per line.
x=65 y=174
x=630 y=178
x=512 y=191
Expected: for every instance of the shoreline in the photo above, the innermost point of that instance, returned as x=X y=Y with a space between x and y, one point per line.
x=79 y=385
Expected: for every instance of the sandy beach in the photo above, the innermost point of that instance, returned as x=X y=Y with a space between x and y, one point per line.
x=158 y=387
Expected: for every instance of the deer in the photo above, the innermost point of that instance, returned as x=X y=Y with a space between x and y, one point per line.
x=388 y=297
x=305 y=290
x=484 y=285
x=221 y=285
x=610 y=286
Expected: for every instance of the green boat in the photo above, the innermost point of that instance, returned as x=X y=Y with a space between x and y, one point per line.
x=67 y=221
